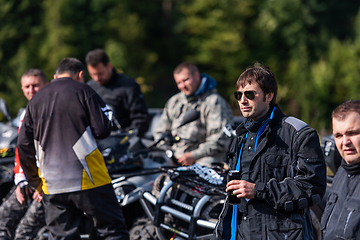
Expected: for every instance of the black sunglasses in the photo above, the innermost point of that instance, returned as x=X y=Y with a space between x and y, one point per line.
x=248 y=94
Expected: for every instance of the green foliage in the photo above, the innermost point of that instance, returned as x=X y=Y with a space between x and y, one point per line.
x=312 y=46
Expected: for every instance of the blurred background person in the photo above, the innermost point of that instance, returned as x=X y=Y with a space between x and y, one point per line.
x=204 y=140
x=20 y=216
x=118 y=91
x=60 y=127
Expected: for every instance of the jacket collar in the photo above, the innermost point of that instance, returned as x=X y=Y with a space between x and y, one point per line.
x=113 y=77
x=201 y=96
x=351 y=169
x=241 y=130
x=62 y=79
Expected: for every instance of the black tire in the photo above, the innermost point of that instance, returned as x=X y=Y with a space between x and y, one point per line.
x=143 y=230
x=131 y=213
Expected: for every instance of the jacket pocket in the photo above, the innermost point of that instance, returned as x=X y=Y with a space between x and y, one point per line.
x=290 y=228
x=328 y=210
x=276 y=166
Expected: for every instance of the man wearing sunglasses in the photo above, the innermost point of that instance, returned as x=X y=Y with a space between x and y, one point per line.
x=281 y=165
x=203 y=139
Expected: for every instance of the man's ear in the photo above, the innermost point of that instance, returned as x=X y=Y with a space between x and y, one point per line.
x=55 y=77
x=109 y=65
x=269 y=97
x=197 y=76
x=81 y=76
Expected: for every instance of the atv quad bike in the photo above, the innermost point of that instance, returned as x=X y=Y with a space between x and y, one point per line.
x=184 y=204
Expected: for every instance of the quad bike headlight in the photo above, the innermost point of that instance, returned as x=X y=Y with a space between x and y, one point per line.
x=169 y=153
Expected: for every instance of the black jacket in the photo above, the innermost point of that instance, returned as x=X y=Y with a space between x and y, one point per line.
x=341 y=217
x=123 y=94
x=61 y=122
x=289 y=171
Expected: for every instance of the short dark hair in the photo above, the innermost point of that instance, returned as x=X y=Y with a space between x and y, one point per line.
x=35 y=72
x=71 y=66
x=96 y=56
x=263 y=76
x=345 y=108
x=187 y=65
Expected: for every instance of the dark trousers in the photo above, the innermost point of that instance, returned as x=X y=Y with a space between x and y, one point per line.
x=64 y=212
x=17 y=221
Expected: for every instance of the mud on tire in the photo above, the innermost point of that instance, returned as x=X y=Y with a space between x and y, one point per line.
x=143 y=229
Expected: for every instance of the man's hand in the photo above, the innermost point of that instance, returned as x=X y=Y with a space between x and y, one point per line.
x=186 y=159
x=37 y=196
x=242 y=188
x=19 y=196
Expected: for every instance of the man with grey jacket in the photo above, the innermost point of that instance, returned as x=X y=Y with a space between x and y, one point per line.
x=204 y=140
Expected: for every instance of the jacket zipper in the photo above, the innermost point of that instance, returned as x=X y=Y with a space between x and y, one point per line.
x=347 y=220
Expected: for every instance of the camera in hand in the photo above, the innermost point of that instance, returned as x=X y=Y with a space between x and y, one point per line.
x=233 y=175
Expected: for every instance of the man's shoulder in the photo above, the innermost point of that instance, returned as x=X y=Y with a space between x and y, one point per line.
x=123 y=80
x=295 y=123
x=214 y=96
x=338 y=178
x=56 y=85
x=178 y=97
x=92 y=83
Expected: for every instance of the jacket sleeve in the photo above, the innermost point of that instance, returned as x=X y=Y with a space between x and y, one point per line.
x=164 y=125
x=18 y=171
x=306 y=182
x=27 y=152
x=217 y=114
x=138 y=113
x=223 y=226
x=100 y=116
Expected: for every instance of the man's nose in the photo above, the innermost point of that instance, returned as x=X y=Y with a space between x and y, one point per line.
x=243 y=99
x=346 y=140
x=181 y=85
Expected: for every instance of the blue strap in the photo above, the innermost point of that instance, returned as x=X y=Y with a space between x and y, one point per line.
x=262 y=129
x=234 y=209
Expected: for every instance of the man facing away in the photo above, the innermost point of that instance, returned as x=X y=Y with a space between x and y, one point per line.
x=341 y=217
x=60 y=126
x=17 y=219
x=204 y=140
x=282 y=168
x=118 y=91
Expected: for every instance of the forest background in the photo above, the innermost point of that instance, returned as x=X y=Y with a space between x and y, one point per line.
x=312 y=46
